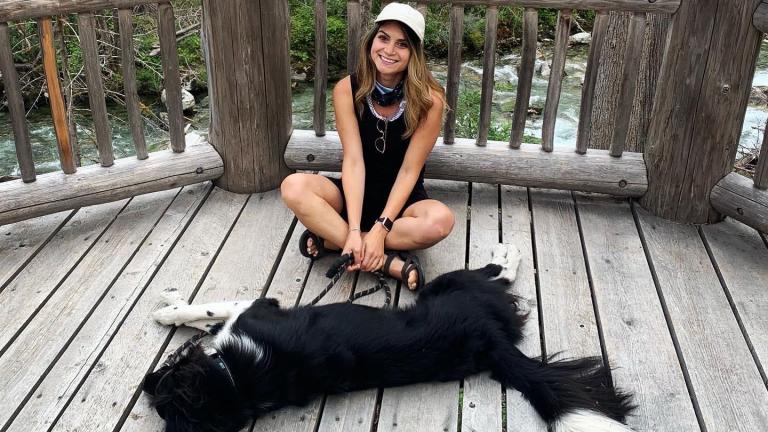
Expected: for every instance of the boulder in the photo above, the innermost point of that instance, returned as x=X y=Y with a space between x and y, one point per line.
x=187 y=100
x=583 y=38
x=759 y=96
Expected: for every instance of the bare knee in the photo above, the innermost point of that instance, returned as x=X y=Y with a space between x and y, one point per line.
x=438 y=225
x=293 y=189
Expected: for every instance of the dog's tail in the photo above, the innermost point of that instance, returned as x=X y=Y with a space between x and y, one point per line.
x=570 y=395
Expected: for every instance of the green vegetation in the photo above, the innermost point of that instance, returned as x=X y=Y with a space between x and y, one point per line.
x=468 y=119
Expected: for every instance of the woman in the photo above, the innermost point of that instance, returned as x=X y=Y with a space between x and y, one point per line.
x=388 y=116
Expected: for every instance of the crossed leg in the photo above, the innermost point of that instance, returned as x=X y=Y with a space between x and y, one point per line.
x=317 y=203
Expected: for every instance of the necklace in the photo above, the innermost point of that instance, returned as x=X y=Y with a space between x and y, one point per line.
x=381 y=142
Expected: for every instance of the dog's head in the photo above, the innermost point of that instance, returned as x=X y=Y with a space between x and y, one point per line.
x=194 y=394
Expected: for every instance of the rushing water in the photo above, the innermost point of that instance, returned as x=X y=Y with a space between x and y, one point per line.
x=46 y=157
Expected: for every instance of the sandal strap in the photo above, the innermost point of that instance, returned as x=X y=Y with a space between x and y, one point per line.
x=316 y=240
x=388 y=263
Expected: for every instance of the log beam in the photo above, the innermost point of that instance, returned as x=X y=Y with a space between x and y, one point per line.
x=595 y=171
x=94 y=184
x=736 y=196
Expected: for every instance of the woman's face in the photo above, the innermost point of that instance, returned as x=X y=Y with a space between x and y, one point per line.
x=390 y=50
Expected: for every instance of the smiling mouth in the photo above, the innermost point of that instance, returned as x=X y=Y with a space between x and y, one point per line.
x=387 y=61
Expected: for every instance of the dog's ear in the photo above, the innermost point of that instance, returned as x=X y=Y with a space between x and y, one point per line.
x=153 y=379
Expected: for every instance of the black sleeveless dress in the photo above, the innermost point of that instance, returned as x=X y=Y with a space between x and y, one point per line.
x=381 y=168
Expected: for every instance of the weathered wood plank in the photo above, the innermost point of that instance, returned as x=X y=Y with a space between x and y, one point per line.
x=14 y=10
x=596 y=171
x=354 y=34
x=321 y=66
x=55 y=98
x=481 y=406
x=431 y=406
x=455 y=38
x=516 y=229
x=135 y=119
x=16 y=107
x=489 y=68
x=554 y=89
x=21 y=242
x=632 y=57
x=166 y=29
x=590 y=82
x=50 y=268
x=525 y=78
x=727 y=385
x=760 y=19
x=19 y=10
x=761 y=171
x=53 y=393
x=55 y=192
x=275 y=22
x=737 y=197
x=742 y=259
x=97 y=103
x=240 y=272
x=122 y=365
x=27 y=359
x=566 y=300
x=637 y=340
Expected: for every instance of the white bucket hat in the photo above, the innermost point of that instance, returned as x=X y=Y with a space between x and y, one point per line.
x=405 y=14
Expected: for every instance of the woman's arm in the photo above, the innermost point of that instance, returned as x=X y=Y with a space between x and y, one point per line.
x=422 y=142
x=352 y=165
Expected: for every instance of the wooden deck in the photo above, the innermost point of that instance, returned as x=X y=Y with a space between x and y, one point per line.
x=681 y=311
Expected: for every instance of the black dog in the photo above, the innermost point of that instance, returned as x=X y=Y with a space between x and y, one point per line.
x=463 y=322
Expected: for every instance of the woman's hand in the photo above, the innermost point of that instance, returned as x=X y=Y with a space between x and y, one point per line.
x=354 y=245
x=373 y=245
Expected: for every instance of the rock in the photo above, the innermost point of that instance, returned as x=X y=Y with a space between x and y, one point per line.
x=543 y=68
x=187 y=100
x=583 y=38
x=759 y=96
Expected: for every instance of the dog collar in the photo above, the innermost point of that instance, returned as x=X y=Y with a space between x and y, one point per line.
x=220 y=363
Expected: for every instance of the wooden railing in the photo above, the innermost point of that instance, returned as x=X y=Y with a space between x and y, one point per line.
x=595 y=171
x=127 y=177
x=735 y=195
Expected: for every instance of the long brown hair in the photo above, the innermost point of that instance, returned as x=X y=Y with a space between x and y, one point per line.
x=419 y=85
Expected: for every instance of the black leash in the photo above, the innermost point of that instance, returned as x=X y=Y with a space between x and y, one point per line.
x=338 y=268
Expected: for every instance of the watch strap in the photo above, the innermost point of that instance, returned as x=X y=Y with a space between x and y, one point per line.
x=385 y=222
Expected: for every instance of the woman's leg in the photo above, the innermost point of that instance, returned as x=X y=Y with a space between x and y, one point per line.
x=423 y=224
x=316 y=202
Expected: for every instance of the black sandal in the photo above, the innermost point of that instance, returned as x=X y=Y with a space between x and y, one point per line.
x=316 y=240
x=410 y=263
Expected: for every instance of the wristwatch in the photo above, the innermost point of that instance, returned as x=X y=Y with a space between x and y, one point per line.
x=385 y=222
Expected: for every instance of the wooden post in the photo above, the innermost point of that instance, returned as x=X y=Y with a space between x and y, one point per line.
x=58 y=111
x=249 y=80
x=701 y=100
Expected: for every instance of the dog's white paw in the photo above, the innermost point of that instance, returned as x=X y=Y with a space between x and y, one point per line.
x=508 y=256
x=169 y=315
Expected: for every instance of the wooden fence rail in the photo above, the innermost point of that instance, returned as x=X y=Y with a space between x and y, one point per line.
x=126 y=177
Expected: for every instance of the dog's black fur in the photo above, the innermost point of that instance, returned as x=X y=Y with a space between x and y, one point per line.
x=463 y=323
